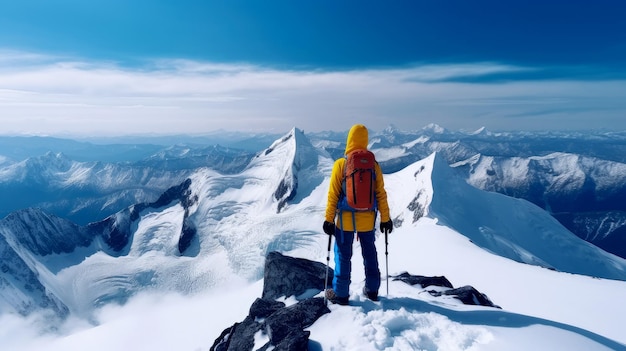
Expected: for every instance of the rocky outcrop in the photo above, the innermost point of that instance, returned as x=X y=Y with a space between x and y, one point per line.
x=282 y=325
x=289 y=276
x=468 y=295
x=116 y=230
x=423 y=281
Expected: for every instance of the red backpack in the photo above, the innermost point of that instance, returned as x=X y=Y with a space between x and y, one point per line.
x=359 y=181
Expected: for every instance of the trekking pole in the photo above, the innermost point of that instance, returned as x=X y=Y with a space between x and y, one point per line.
x=330 y=238
x=387 y=260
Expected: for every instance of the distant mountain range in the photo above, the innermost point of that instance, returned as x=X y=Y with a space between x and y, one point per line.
x=86 y=191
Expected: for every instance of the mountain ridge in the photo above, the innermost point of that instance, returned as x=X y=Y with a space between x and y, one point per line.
x=86 y=190
x=500 y=224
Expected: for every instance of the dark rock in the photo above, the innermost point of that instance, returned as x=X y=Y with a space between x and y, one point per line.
x=239 y=337
x=416 y=206
x=283 y=325
x=294 y=318
x=262 y=308
x=468 y=295
x=280 y=326
x=286 y=191
x=289 y=276
x=242 y=337
x=222 y=341
x=297 y=340
x=179 y=192
x=115 y=230
x=284 y=276
x=310 y=310
x=424 y=281
x=188 y=233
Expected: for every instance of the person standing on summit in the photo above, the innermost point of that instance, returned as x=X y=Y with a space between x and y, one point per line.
x=356 y=194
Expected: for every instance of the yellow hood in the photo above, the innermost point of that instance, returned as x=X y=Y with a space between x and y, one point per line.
x=357 y=138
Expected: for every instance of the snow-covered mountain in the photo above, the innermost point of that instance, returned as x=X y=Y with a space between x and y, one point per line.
x=21 y=289
x=578 y=178
x=584 y=193
x=574 y=176
x=508 y=227
x=200 y=222
x=210 y=234
x=84 y=191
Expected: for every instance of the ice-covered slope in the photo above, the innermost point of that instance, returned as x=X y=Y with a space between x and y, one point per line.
x=21 y=290
x=29 y=239
x=212 y=229
x=267 y=207
x=584 y=193
x=506 y=226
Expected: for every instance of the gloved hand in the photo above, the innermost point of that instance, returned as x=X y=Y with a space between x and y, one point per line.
x=329 y=228
x=386 y=227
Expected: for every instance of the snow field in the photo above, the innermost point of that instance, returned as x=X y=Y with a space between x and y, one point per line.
x=356 y=328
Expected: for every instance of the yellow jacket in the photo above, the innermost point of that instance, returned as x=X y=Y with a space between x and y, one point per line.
x=365 y=221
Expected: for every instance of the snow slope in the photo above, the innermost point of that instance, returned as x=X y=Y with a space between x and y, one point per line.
x=538 y=304
x=237 y=219
x=583 y=193
x=509 y=228
x=544 y=278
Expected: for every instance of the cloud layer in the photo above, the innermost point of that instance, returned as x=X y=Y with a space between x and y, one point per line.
x=42 y=94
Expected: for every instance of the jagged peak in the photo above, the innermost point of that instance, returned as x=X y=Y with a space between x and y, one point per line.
x=287 y=147
x=435 y=163
x=286 y=139
x=288 y=159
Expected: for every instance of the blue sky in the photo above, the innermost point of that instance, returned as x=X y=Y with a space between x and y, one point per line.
x=154 y=67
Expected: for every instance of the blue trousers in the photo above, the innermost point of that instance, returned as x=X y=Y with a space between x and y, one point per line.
x=343 y=266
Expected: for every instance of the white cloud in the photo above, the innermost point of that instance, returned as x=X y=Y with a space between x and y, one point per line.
x=49 y=95
x=149 y=321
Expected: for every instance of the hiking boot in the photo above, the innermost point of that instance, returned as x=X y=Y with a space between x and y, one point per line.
x=333 y=298
x=372 y=295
